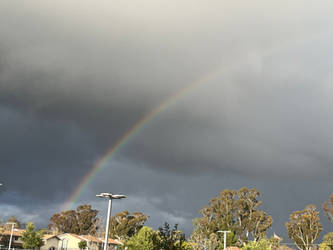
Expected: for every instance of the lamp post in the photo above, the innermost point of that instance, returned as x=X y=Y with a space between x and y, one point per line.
x=224 y=238
x=11 y=234
x=110 y=197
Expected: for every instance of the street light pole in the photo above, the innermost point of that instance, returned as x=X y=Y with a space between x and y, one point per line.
x=110 y=197
x=11 y=234
x=107 y=224
x=224 y=238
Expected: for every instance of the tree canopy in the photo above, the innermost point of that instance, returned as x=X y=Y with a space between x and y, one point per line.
x=262 y=244
x=31 y=238
x=165 y=238
x=81 y=221
x=304 y=227
x=145 y=239
x=171 y=239
x=82 y=244
x=327 y=243
x=236 y=211
x=124 y=225
x=13 y=219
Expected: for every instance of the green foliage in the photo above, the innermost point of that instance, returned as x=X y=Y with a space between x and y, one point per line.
x=324 y=246
x=171 y=239
x=327 y=244
x=163 y=239
x=262 y=244
x=231 y=239
x=81 y=221
x=145 y=239
x=124 y=225
x=275 y=242
x=214 y=241
x=82 y=244
x=304 y=227
x=31 y=238
x=184 y=245
x=329 y=238
x=236 y=211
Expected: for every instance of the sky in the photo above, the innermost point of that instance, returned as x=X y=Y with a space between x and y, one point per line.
x=253 y=107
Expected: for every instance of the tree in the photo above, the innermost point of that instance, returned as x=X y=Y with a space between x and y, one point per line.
x=328 y=208
x=198 y=242
x=124 y=225
x=231 y=239
x=304 y=227
x=31 y=238
x=172 y=239
x=12 y=219
x=275 y=242
x=327 y=244
x=81 y=221
x=214 y=241
x=236 y=211
x=262 y=244
x=82 y=244
x=145 y=239
x=324 y=246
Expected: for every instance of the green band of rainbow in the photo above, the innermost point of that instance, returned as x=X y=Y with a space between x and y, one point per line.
x=101 y=163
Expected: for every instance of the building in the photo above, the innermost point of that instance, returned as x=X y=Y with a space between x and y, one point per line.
x=16 y=238
x=70 y=241
x=66 y=241
x=51 y=242
x=95 y=243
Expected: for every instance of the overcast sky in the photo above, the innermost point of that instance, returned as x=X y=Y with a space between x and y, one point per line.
x=76 y=75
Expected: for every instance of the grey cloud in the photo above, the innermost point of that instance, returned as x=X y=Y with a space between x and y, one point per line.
x=75 y=77
x=37 y=155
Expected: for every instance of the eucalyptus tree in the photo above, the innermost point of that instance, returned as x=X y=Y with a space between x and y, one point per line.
x=124 y=225
x=304 y=227
x=236 y=211
x=81 y=221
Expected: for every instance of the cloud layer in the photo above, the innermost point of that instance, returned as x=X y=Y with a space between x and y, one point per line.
x=75 y=77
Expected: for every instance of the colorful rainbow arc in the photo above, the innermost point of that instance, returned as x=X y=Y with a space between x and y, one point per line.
x=101 y=163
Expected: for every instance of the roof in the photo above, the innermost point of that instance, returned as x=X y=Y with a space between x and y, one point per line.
x=49 y=236
x=233 y=248
x=99 y=240
x=16 y=232
x=70 y=234
x=91 y=238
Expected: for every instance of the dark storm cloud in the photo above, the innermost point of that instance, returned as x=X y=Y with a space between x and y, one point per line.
x=75 y=77
x=41 y=152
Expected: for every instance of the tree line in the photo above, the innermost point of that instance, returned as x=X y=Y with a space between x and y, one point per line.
x=237 y=211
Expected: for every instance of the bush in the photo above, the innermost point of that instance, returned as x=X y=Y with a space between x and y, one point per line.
x=262 y=244
x=82 y=244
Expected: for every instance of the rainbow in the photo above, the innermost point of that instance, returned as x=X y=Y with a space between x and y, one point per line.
x=101 y=163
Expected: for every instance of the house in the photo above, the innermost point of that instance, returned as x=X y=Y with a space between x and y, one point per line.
x=16 y=238
x=51 y=242
x=95 y=243
x=70 y=241
x=66 y=241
